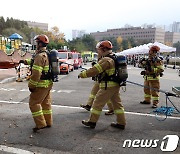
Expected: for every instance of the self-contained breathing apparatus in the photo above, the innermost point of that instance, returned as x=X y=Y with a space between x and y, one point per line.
x=54 y=69
x=120 y=76
x=147 y=65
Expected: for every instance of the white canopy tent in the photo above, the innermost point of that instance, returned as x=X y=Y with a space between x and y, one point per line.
x=144 y=49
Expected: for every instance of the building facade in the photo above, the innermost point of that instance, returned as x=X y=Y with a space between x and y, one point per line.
x=176 y=27
x=171 y=38
x=42 y=26
x=78 y=33
x=137 y=33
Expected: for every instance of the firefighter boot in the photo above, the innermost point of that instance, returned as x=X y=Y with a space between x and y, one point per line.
x=145 y=102
x=89 y=124
x=155 y=104
x=35 y=129
x=109 y=112
x=87 y=107
x=116 y=125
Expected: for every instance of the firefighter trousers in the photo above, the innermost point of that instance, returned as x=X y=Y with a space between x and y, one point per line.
x=92 y=96
x=150 y=93
x=40 y=106
x=101 y=98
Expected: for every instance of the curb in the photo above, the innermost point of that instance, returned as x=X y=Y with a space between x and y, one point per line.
x=8 y=80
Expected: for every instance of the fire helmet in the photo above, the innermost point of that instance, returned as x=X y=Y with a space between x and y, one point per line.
x=104 y=44
x=42 y=38
x=154 y=48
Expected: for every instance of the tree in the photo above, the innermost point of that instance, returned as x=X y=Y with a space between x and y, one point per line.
x=57 y=40
x=89 y=42
x=56 y=35
x=119 y=40
x=132 y=42
x=9 y=23
x=27 y=31
x=2 y=24
x=177 y=46
x=80 y=46
x=9 y=31
x=86 y=43
x=125 y=44
x=119 y=43
x=52 y=45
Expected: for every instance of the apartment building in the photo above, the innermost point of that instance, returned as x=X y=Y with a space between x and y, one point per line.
x=78 y=33
x=171 y=37
x=137 y=33
x=176 y=27
x=42 y=26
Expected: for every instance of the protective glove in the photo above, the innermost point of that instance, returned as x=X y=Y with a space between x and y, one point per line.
x=93 y=63
x=143 y=72
x=80 y=75
x=21 y=61
x=32 y=89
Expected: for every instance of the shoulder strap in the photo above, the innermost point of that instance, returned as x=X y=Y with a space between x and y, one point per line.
x=112 y=56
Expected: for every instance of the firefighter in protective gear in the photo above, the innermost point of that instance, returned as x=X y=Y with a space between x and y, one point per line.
x=40 y=86
x=93 y=93
x=107 y=90
x=153 y=70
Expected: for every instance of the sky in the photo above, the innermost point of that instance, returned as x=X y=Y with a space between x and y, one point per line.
x=92 y=15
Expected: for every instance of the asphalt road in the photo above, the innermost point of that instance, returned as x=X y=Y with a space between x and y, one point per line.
x=68 y=135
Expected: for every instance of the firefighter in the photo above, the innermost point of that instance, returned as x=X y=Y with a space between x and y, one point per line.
x=40 y=86
x=108 y=90
x=153 y=70
x=93 y=93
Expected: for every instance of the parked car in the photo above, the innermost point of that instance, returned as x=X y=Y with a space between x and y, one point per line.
x=78 y=61
x=66 y=61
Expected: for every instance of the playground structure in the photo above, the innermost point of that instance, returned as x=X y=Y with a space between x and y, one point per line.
x=12 y=49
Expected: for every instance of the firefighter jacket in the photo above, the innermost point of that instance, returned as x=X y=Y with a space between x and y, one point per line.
x=154 y=68
x=40 y=65
x=105 y=66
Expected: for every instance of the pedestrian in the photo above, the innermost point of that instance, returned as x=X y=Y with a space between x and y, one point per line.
x=153 y=70
x=167 y=59
x=108 y=90
x=93 y=93
x=40 y=86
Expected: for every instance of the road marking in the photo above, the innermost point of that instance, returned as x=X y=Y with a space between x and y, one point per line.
x=27 y=90
x=65 y=91
x=24 y=90
x=129 y=68
x=74 y=107
x=8 y=80
x=14 y=150
x=8 y=89
x=11 y=102
x=131 y=113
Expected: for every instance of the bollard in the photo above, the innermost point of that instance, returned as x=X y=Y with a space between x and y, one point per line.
x=19 y=75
